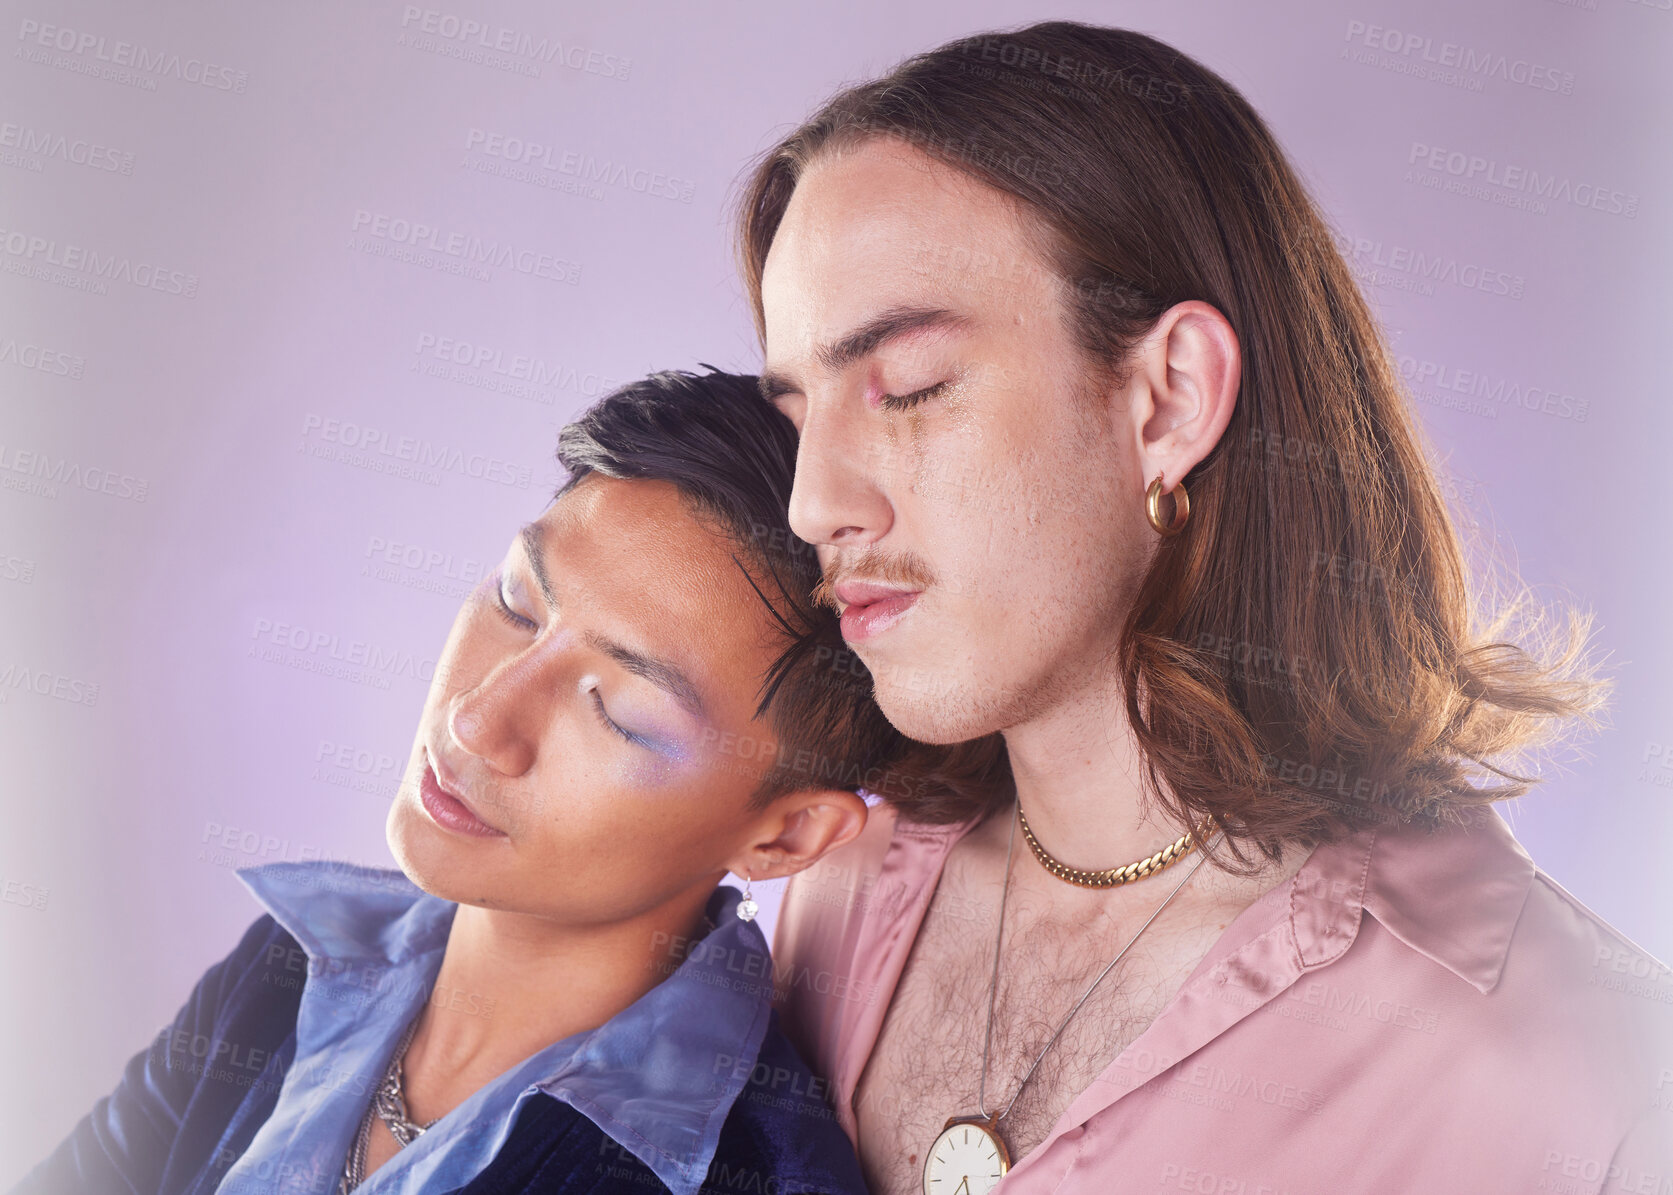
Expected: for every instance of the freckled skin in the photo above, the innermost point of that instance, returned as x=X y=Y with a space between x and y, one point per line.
x=995 y=489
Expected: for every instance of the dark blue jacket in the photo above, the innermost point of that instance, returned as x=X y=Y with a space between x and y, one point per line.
x=174 y=1125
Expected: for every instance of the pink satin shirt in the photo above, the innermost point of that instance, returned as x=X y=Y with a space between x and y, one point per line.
x=1409 y=1013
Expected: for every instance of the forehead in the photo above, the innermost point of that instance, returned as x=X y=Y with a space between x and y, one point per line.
x=632 y=559
x=883 y=224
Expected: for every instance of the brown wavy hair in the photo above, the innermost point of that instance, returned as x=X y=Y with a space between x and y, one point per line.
x=1308 y=656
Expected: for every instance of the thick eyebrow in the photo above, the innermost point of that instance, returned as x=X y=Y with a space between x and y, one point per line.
x=531 y=549
x=660 y=673
x=888 y=325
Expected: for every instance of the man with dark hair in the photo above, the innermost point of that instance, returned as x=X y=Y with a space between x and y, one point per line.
x=555 y=996
x=693 y=431
x=1111 y=477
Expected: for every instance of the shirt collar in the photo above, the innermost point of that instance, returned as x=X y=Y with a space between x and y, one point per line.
x=1452 y=894
x=659 y=1078
x=346 y=912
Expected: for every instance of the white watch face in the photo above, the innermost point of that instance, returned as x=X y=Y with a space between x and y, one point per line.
x=965 y=1160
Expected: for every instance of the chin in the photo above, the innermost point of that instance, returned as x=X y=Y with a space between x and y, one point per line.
x=429 y=855
x=953 y=715
x=933 y=691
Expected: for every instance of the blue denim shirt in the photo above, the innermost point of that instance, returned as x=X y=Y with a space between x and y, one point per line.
x=659 y=1078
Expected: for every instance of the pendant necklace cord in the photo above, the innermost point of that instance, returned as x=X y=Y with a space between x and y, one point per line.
x=993 y=984
x=993 y=987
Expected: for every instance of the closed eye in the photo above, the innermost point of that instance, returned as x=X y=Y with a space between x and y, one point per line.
x=603 y=716
x=902 y=402
x=504 y=610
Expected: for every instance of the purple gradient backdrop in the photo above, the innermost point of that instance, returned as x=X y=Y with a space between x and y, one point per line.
x=125 y=813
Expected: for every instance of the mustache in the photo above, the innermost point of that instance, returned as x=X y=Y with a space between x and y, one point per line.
x=873 y=564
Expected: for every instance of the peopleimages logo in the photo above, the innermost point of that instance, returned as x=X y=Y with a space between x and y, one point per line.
x=467 y=249
x=147 y=65
x=583 y=168
x=44 y=682
x=449 y=32
x=374 y=448
x=32 y=255
x=41 y=359
x=1489 y=172
x=1495 y=391
x=1406 y=268
x=30 y=471
x=272 y=638
x=476 y=362
x=1469 y=62
x=78 y=151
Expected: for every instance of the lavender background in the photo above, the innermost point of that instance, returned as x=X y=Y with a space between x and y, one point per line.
x=190 y=540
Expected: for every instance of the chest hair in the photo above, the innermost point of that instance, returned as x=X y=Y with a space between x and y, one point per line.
x=927 y=1062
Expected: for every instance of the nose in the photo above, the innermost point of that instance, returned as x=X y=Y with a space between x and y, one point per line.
x=499 y=718
x=839 y=496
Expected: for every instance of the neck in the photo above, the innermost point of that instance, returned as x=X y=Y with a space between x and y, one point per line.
x=511 y=984
x=1077 y=766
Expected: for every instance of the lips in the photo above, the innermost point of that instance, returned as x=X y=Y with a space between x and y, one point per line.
x=868 y=608
x=443 y=799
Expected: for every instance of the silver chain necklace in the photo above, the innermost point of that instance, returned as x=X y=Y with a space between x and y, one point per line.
x=981 y=1164
x=389 y=1104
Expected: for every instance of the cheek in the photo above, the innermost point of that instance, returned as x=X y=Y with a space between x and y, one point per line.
x=676 y=826
x=1014 y=518
x=648 y=772
x=676 y=771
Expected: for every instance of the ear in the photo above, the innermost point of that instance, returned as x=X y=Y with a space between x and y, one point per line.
x=798 y=829
x=1183 y=389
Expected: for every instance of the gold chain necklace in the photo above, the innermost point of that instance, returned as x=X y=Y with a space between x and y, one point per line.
x=1112 y=877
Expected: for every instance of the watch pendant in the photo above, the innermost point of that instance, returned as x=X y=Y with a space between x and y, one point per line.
x=968 y=1158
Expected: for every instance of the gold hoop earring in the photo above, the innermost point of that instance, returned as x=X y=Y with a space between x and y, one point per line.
x=1153 y=507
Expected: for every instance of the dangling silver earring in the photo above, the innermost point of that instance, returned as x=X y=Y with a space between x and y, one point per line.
x=747 y=908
